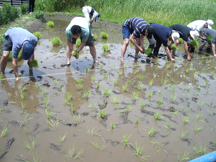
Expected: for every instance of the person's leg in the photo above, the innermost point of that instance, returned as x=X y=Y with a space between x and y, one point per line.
x=93 y=53
x=29 y=6
x=158 y=45
x=33 y=5
x=4 y=59
x=136 y=49
x=126 y=35
x=68 y=51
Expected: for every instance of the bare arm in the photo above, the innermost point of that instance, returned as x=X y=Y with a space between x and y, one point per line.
x=81 y=46
x=132 y=37
x=168 y=53
x=213 y=49
x=142 y=41
x=15 y=67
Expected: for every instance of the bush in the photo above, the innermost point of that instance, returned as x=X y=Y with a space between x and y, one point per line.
x=104 y=35
x=56 y=41
x=6 y=12
x=40 y=16
x=19 y=56
x=1 y=17
x=14 y=13
x=24 y=8
x=105 y=47
x=78 y=42
x=50 y=23
x=40 y=5
x=37 y=34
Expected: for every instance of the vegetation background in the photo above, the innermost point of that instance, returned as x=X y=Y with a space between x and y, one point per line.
x=166 y=12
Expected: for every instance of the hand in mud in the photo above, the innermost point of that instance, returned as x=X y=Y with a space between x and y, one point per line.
x=17 y=78
x=142 y=50
x=73 y=53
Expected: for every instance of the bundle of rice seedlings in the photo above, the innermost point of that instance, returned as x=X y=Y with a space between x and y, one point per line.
x=76 y=54
x=50 y=23
x=95 y=37
x=148 y=51
x=78 y=42
x=209 y=38
x=173 y=47
x=19 y=56
x=105 y=47
x=194 y=43
x=56 y=41
x=34 y=63
x=104 y=35
x=180 y=40
x=37 y=34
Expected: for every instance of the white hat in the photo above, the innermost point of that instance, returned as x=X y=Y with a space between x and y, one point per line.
x=194 y=34
x=175 y=36
x=210 y=23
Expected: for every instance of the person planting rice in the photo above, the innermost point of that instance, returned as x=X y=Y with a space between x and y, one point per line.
x=199 y=25
x=79 y=28
x=90 y=14
x=187 y=34
x=16 y=39
x=138 y=28
x=163 y=34
x=211 y=33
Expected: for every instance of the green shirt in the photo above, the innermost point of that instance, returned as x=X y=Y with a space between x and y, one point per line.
x=85 y=27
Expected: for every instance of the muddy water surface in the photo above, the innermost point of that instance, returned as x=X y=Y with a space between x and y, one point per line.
x=182 y=93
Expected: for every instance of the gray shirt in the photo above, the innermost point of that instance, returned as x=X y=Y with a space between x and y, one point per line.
x=211 y=33
x=18 y=36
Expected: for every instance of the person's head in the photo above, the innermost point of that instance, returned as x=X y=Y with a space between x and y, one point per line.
x=174 y=36
x=209 y=23
x=149 y=31
x=194 y=34
x=97 y=17
x=76 y=31
x=27 y=50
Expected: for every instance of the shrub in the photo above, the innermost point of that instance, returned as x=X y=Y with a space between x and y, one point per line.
x=24 y=8
x=180 y=40
x=50 y=23
x=56 y=41
x=6 y=12
x=40 y=5
x=194 y=43
x=104 y=35
x=40 y=16
x=19 y=56
x=78 y=42
x=1 y=17
x=105 y=47
x=37 y=34
x=1 y=39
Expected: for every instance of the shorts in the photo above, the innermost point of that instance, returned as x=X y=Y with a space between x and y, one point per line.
x=126 y=32
x=7 y=44
x=89 y=42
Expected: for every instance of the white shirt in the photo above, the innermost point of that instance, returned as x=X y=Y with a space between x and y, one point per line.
x=198 y=25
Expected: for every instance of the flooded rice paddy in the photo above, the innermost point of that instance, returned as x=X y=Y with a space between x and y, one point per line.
x=149 y=110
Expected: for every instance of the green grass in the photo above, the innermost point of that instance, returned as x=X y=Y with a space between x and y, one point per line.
x=37 y=34
x=50 y=24
x=56 y=41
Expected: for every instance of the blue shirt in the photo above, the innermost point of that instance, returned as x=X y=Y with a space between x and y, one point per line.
x=162 y=32
x=18 y=36
x=136 y=26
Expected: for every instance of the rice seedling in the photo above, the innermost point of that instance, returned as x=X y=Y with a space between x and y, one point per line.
x=209 y=38
x=101 y=68
x=105 y=47
x=87 y=68
x=150 y=83
x=98 y=84
x=138 y=150
x=169 y=127
x=56 y=82
x=37 y=85
x=48 y=112
x=93 y=105
x=148 y=51
x=4 y=131
x=160 y=100
x=126 y=139
x=151 y=132
x=168 y=66
x=22 y=95
x=104 y=35
x=43 y=92
x=143 y=105
x=210 y=112
x=194 y=43
x=80 y=86
x=107 y=92
x=139 y=86
x=115 y=81
x=101 y=113
x=160 y=90
x=95 y=37
x=197 y=128
x=30 y=144
x=135 y=72
x=157 y=116
x=115 y=100
x=46 y=100
x=137 y=121
x=52 y=123
x=173 y=97
x=150 y=94
x=125 y=65
x=201 y=150
x=180 y=40
x=93 y=78
x=173 y=47
x=62 y=138
x=1 y=76
x=140 y=76
x=78 y=42
x=186 y=119
x=124 y=87
x=184 y=157
x=158 y=145
x=207 y=82
x=187 y=70
x=56 y=41
x=86 y=95
x=50 y=23
x=63 y=89
x=78 y=154
x=98 y=147
x=37 y=34
x=198 y=116
x=23 y=105
x=112 y=126
x=135 y=96
x=92 y=132
x=200 y=103
x=34 y=63
x=79 y=81
x=106 y=76
x=36 y=159
x=10 y=57
x=120 y=73
x=126 y=111
x=184 y=134
x=129 y=81
x=154 y=75
x=68 y=97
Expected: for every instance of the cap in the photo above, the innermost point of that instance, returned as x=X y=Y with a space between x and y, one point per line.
x=210 y=23
x=150 y=31
x=97 y=17
x=194 y=34
x=28 y=50
x=175 y=36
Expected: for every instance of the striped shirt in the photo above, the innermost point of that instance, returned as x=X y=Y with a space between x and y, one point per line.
x=136 y=26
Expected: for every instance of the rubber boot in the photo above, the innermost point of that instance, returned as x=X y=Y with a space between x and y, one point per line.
x=208 y=49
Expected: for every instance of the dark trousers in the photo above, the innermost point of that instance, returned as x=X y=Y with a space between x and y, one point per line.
x=158 y=45
x=31 y=4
